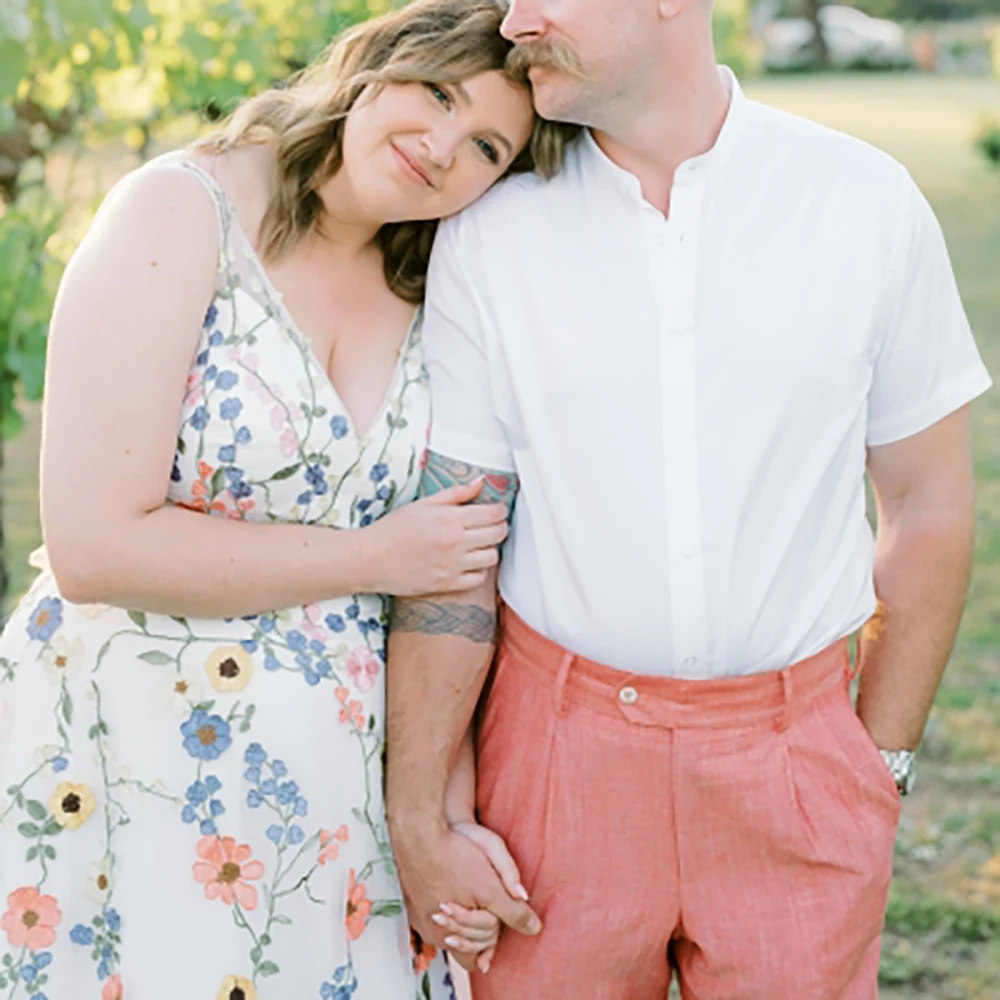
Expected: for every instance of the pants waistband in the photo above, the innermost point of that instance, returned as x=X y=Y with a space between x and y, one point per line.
x=670 y=702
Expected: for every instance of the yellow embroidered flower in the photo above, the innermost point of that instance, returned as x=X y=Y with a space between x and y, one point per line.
x=229 y=668
x=99 y=881
x=237 y=988
x=72 y=805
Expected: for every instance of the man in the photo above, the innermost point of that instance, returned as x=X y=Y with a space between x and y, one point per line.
x=681 y=355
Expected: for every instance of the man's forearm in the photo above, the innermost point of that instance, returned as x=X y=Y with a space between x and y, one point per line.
x=440 y=650
x=922 y=569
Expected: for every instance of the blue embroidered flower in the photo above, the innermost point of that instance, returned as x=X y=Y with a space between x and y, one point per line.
x=317 y=648
x=226 y=380
x=206 y=736
x=275 y=834
x=43 y=959
x=241 y=490
x=279 y=768
x=45 y=619
x=365 y=521
x=199 y=419
x=304 y=499
x=212 y=784
x=201 y=359
x=243 y=436
x=250 y=645
x=363 y=505
x=216 y=338
x=304 y=660
x=324 y=668
x=301 y=807
x=188 y=815
x=59 y=764
x=271 y=662
x=296 y=640
x=211 y=316
x=216 y=808
x=231 y=408
x=208 y=828
x=296 y=835
x=383 y=493
x=352 y=610
x=335 y=623
x=287 y=792
x=255 y=754
x=114 y=920
x=227 y=453
x=211 y=371
x=196 y=793
x=312 y=678
x=254 y=798
x=316 y=478
x=175 y=473
x=379 y=472
x=233 y=474
x=266 y=624
x=339 y=427
x=29 y=973
x=82 y=934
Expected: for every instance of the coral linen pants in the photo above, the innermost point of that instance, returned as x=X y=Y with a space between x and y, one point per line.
x=739 y=831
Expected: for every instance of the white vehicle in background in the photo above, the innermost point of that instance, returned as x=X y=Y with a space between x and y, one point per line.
x=853 y=40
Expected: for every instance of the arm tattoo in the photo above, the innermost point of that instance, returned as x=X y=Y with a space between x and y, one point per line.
x=467 y=621
x=440 y=473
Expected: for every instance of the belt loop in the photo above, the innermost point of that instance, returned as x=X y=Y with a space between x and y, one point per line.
x=784 y=717
x=559 y=691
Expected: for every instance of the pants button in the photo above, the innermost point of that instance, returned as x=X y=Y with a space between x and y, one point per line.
x=628 y=696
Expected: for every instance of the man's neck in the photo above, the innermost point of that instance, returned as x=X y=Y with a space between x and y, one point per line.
x=655 y=141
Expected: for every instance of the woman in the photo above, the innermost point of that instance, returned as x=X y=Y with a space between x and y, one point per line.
x=193 y=778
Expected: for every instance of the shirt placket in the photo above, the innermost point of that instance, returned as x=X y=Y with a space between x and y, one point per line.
x=675 y=265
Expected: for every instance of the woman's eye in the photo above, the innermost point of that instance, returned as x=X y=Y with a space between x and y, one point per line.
x=488 y=150
x=440 y=94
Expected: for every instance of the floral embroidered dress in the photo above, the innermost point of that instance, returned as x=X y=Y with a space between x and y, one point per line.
x=193 y=807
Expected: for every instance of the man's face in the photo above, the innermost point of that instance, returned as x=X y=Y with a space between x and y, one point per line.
x=586 y=56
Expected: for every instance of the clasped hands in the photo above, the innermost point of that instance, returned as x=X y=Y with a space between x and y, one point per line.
x=461 y=885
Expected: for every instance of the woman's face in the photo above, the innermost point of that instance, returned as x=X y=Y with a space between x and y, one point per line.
x=418 y=151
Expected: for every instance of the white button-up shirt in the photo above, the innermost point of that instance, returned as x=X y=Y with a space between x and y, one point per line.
x=688 y=400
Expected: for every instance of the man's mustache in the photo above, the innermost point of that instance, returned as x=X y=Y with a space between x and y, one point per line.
x=547 y=55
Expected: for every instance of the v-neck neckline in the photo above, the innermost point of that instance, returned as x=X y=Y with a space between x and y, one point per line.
x=276 y=300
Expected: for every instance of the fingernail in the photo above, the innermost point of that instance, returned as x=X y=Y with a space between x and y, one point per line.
x=438 y=919
x=452 y=941
x=535 y=925
x=484 y=965
x=445 y=908
x=521 y=891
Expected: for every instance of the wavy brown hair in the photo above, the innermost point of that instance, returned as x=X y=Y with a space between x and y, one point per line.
x=428 y=41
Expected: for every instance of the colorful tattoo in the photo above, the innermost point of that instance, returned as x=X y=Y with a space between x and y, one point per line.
x=441 y=473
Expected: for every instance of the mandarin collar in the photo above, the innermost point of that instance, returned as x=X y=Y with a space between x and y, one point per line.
x=697 y=166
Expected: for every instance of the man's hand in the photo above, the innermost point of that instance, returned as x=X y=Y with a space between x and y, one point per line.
x=446 y=867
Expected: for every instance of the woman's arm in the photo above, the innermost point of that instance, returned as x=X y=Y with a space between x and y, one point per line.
x=123 y=336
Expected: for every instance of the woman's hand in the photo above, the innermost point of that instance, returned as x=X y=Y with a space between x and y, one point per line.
x=473 y=934
x=440 y=544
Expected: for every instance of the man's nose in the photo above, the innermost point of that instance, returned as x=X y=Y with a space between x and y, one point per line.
x=524 y=22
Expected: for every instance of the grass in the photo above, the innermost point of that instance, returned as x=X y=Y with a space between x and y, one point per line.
x=943 y=932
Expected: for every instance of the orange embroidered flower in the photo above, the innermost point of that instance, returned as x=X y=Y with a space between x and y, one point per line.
x=225 y=869
x=423 y=953
x=201 y=490
x=31 y=919
x=113 y=989
x=358 y=908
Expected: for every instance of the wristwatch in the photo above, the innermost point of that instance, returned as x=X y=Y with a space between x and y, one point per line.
x=902 y=766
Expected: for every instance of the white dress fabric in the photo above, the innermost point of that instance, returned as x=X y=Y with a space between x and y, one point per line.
x=193 y=807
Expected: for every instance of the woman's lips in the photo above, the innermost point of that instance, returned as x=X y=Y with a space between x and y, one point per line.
x=410 y=167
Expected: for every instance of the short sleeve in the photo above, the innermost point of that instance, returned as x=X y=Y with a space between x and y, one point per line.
x=926 y=364
x=464 y=425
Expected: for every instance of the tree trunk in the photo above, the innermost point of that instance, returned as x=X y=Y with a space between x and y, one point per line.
x=820 y=48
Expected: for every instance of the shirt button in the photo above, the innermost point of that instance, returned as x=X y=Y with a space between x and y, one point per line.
x=691 y=661
x=628 y=696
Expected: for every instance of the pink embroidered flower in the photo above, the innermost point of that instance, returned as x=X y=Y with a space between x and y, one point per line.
x=311 y=626
x=31 y=919
x=363 y=667
x=278 y=417
x=329 y=846
x=358 y=908
x=289 y=441
x=224 y=870
x=251 y=361
x=113 y=989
